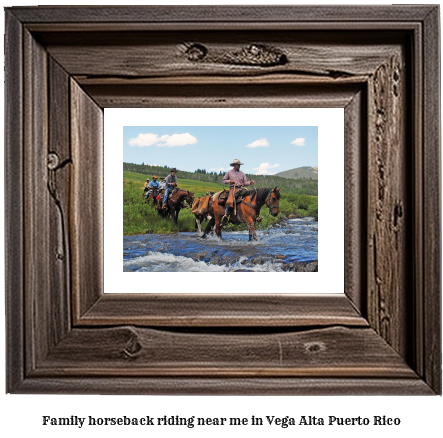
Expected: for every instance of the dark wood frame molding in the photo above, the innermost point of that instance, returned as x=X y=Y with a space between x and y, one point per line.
x=65 y=64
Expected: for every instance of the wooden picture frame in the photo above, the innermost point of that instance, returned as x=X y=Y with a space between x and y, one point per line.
x=65 y=64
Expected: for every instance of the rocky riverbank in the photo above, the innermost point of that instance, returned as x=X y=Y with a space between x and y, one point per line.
x=301 y=266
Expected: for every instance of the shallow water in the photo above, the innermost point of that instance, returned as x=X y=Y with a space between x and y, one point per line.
x=295 y=240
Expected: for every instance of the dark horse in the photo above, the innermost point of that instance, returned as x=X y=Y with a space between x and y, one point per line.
x=154 y=192
x=247 y=211
x=175 y=203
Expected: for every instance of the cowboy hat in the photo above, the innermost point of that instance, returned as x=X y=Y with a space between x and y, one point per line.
x=155 y=176
x=236 y=161
x=174 y=170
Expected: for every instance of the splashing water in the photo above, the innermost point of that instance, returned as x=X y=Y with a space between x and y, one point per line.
x=277 y=249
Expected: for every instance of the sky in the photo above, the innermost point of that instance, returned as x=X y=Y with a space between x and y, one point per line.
x=264 y=150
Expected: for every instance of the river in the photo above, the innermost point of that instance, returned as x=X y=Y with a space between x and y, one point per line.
x=291 y=245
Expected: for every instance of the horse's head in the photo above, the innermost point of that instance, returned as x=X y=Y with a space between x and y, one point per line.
x=273 y=200
x=190 y=198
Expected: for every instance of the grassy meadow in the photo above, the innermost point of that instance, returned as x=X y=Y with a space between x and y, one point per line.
x=142 y=218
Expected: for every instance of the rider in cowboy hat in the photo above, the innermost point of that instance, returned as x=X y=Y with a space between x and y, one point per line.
x=162 y=183
x=234 y=177
x=171 y=182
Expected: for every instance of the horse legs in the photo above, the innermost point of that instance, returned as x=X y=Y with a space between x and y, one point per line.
x=217 y=226
x=208 y=228
x=197 y=225
x=168 y=211
x=251 y=228
x=174 y=213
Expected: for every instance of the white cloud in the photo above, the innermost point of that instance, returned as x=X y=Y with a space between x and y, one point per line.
x=263 y=142
x=299 y=142
x=144 y=140
x=170 y=141
x=175 y=140
x=215 y=169
x=263 y=169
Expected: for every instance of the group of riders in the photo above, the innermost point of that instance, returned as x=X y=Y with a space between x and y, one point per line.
x=167 y=184
x=234 y=177
x=237 y=205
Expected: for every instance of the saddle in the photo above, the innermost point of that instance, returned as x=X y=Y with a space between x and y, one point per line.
x=170 y=193
x=238 y=196
x=161 y=194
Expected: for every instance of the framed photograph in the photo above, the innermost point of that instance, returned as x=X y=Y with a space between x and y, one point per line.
x=287 y=240
x=375 y=331
x=163 y=220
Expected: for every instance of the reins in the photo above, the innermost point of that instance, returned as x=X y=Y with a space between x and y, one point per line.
x=270 y=205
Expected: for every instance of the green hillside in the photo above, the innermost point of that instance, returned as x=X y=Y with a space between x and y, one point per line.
x=303 y=186
x=300 y=172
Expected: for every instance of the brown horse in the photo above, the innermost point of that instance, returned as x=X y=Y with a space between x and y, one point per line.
x=202 y=209
x=175 y=203
x=248 y=210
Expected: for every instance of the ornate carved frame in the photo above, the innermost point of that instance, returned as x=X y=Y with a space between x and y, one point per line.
x=64 y=65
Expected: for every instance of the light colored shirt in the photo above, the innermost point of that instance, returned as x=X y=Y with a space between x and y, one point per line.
x=238 y=176
x=162 y=184
x=153 y=184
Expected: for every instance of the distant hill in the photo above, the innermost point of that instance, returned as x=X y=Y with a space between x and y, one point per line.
x=300 y=172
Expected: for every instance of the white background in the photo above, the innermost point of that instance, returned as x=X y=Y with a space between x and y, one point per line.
x=330 y=122
x=21 y=414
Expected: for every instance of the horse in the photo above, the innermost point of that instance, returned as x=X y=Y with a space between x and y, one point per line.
x=202 y=209
x=248 y=210
x=158 y=204
x=175 y=203
x=154 y=192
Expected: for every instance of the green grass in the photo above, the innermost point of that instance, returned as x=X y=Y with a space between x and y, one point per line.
x=142 y=218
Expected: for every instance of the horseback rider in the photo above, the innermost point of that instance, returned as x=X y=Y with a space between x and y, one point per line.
x=162 y=183
x=171 y=183
x=146 y=188
x=153 y=184
x=236 y=178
